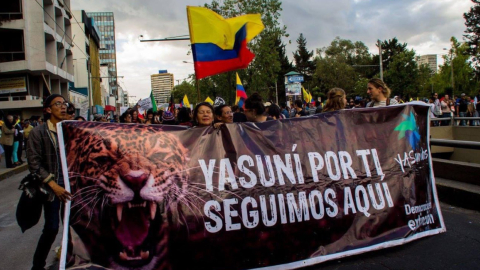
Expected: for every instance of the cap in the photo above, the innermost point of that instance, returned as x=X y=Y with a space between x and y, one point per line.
x=463 y=94
x=168 y=116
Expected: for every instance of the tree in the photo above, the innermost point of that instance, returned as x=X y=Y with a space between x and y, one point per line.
x=390 y=48
x=285 y=67
x=472 y=22
x=185 y=88
x=302 y=58
x=402 y=72
x=335 y=66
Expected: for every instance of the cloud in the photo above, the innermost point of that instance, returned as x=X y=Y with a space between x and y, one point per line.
x=425 y=25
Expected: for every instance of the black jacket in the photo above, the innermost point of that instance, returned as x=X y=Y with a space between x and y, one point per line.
x=42 y=154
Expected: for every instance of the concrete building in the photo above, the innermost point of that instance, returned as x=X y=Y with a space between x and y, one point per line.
x=105 y=23
x=430 y=60
x=35 y=54
x=162 y=86
x=125 y=99
x=85 y=91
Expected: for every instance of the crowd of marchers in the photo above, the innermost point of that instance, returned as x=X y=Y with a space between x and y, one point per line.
x=39 y=135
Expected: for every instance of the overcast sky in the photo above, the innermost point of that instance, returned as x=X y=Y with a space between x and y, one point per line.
x=425 y=25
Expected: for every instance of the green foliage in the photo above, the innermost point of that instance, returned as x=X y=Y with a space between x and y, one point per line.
x=402 y=73
x=472 y=22
x=335 y=66
x=463 y=71
x=185 y=88
x=303 y=58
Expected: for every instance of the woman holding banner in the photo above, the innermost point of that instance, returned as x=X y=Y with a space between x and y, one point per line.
x=203 y=115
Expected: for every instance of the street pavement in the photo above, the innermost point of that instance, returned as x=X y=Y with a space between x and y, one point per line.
x=458 y=248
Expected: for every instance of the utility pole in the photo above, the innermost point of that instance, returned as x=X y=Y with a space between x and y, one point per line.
x=379 y=45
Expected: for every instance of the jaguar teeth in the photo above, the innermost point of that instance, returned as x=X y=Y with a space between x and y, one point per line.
x=144 y=254
x=153 y=210
x=119 y=211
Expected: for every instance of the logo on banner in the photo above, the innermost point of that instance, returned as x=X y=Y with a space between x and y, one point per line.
x=408 y=129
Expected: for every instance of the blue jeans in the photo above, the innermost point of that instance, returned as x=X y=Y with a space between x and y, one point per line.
x=463 y=122
x=15 y=151
x=51 y=211
x=446 y=115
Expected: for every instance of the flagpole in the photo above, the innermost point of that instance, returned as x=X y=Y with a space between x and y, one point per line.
x=198 y=90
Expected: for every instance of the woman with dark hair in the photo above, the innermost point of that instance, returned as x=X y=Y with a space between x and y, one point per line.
x=8 y=131
x=126 y=117
x=203 y=115
x=183 y=117
x=254 y=109
x=149 y=120
x=70 y=111
x=224 y=114
x=336 y=100
x=274 y=112
x=135 y=118
x=79 y=118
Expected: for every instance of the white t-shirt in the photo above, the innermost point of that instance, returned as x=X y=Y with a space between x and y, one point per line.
x=382 y=103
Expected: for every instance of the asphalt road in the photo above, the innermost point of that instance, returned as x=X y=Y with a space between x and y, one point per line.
x=16 y=249
x=458 y=248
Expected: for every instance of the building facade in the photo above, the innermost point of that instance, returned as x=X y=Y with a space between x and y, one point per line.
x=430 y=60
x=105 y=22
x=85 y=91
x=35 y=54
x=162 y=86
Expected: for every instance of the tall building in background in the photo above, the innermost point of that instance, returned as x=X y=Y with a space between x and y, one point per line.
x=430 y=60
x=162 y=86
x=85 y=91
x=105 y=23
x=35 y=54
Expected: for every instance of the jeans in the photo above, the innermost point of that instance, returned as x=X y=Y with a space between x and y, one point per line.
x=446 y=115
x=8 y=155
x=51 y=211
x=15 y=151
x=463 y=122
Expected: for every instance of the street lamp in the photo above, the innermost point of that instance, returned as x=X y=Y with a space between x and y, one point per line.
x=451 y=65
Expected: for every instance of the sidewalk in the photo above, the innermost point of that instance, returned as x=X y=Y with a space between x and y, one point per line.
x=6 y=173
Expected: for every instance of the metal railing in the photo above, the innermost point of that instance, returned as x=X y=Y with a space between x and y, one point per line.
x=456 y=143
x=457 y=121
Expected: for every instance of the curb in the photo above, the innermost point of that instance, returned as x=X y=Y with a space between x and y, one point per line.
x=11 y=172
x=458 y=194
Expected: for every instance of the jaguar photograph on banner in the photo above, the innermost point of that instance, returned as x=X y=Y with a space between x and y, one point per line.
x=281 y=194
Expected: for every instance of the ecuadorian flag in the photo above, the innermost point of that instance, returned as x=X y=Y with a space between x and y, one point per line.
x=241 y=94
x=218 y=44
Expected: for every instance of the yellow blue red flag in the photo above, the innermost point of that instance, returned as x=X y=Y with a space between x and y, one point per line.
x=241 y=94
x=219 y=44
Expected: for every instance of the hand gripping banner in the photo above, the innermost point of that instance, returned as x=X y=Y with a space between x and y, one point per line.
x=275 y=195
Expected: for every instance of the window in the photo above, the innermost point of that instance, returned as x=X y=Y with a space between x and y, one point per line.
x=11 y=10
x=11 y=47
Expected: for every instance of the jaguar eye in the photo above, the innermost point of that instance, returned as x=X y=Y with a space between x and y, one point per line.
x=103 y=159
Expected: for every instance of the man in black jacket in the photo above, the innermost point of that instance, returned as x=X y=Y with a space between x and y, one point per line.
x=44 y=159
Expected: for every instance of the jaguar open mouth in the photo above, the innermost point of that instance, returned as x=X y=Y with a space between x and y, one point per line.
x=137 y=229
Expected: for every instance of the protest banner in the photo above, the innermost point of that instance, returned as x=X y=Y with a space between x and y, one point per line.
x=277 y=195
